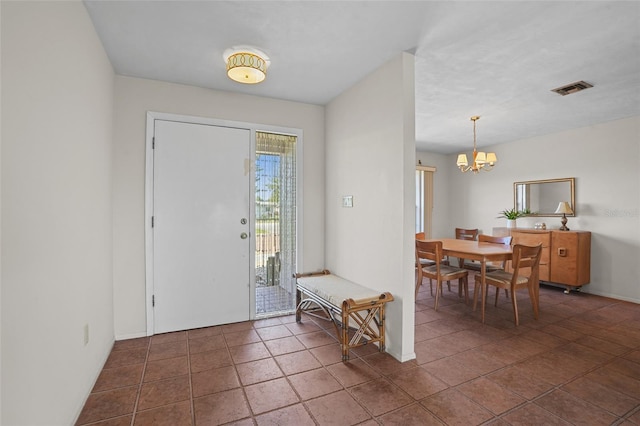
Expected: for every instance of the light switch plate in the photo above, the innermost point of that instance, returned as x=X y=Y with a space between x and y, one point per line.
x=347 y=201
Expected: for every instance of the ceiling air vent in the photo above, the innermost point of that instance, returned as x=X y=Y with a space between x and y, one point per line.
x=572 y=88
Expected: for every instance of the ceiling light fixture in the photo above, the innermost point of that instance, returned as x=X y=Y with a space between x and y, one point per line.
x=246 y=64
x=481 y=160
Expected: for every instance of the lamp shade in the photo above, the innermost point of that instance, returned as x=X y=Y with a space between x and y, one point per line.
x=462 y=160
x=491 y=158
x=481 y=158
x=564 y=208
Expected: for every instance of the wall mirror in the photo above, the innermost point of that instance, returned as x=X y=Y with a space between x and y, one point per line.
x=542 y=197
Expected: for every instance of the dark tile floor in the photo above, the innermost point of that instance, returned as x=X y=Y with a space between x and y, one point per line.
x=578 y=364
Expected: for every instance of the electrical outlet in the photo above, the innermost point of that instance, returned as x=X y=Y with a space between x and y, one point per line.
x=86 y=334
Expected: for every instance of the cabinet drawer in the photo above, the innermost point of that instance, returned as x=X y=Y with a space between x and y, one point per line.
x=531 y=238
x=543 y=271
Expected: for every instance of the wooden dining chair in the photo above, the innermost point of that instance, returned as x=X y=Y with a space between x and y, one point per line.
x=524 y=258
x=423 y=263
x=466 y=234
x=462 y=234
x=490 y=266
x=496 y=266
x=432 y=251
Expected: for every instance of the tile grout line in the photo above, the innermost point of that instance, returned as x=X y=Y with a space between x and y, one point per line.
x=346 y=388
x=325 y=369
x=235 y=369
x=189 y=373
x=301 y=401
x=144 y=370
x=286 y=376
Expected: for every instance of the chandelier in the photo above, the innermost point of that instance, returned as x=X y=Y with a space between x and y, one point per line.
x=481 y=160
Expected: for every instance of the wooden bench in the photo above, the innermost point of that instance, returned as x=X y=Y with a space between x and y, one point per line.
x=346 y=304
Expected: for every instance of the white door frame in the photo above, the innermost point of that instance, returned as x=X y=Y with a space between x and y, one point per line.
x=148 y=204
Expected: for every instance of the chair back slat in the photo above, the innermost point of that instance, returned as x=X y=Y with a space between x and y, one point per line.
x=429 y=250
x=495 y=240
x=466 y=234
x=526 y=257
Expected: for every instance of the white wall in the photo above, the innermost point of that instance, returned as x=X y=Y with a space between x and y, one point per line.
x=57 y=105
x=133 y=98
x=603 y=158
x=370 y=152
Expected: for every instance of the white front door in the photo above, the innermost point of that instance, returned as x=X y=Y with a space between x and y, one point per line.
x=201 y=231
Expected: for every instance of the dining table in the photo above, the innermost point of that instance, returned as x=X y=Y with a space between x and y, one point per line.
x=481 y=252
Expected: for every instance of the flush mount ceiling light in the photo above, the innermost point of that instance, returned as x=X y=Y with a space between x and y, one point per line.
x=481 y=160
x=246 y=64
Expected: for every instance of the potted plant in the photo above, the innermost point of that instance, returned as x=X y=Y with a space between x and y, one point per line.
x=511 y=215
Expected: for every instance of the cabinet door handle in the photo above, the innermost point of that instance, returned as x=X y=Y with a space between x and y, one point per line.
x=562 y=252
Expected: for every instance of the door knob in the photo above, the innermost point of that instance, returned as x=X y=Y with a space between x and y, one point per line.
x=244 y=235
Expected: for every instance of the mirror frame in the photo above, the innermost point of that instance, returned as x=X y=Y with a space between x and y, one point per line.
x=572 y=183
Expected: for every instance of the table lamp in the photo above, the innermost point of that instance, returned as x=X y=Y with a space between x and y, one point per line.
x=565 y=209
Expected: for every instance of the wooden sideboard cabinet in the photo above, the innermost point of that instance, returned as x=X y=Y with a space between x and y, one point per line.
x=566 y=255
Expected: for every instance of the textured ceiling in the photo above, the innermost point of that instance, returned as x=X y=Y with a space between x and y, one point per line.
x=498 y=60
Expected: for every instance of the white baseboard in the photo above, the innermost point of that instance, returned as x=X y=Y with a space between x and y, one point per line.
x=131 y=336
x=402 y=357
